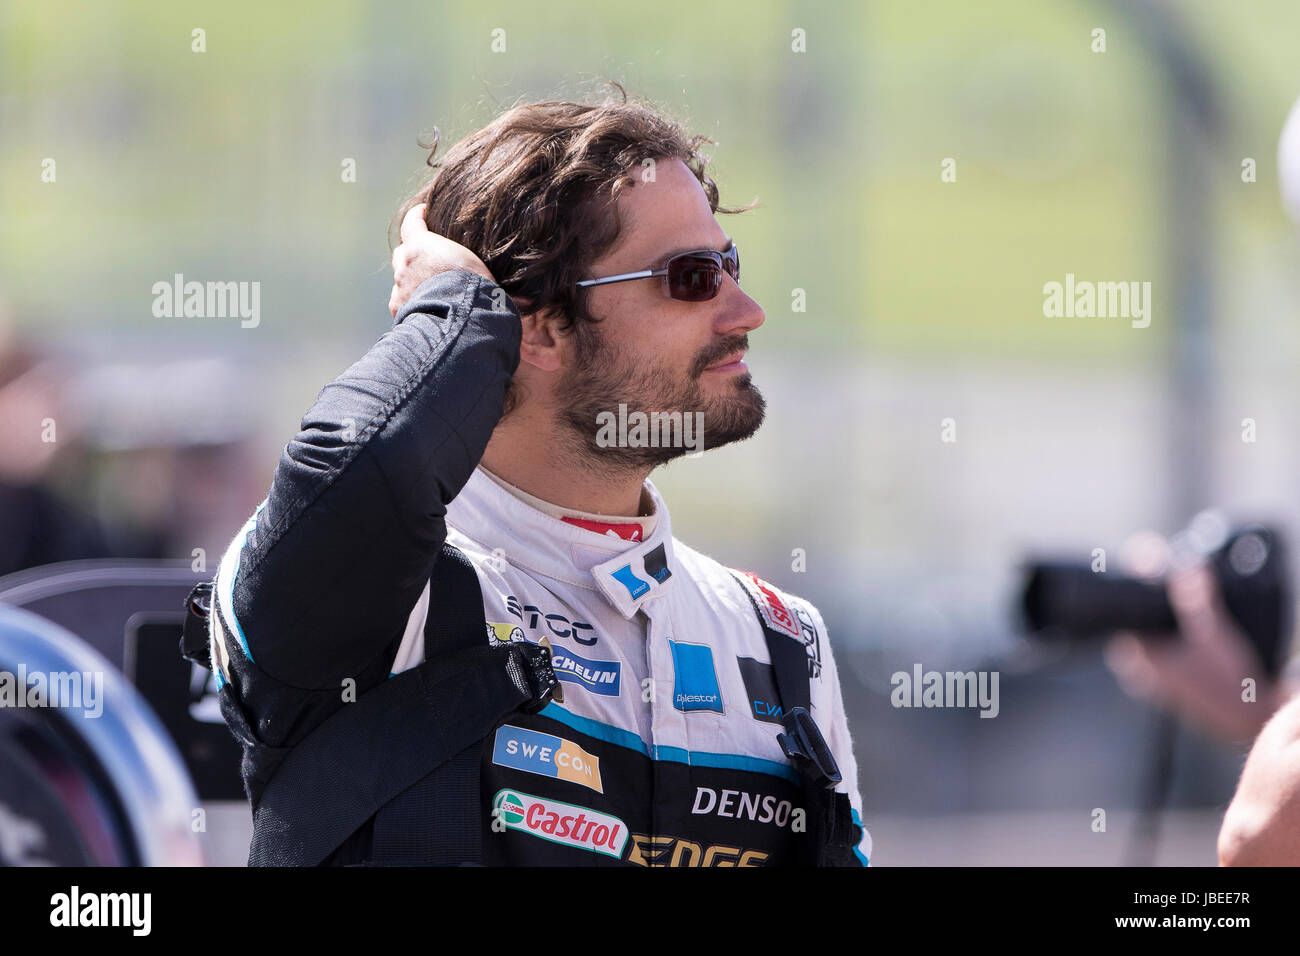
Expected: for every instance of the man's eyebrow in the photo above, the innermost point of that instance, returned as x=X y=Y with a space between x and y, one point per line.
x=659 y=262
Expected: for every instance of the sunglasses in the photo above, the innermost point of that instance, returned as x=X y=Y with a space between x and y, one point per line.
x=690 y=277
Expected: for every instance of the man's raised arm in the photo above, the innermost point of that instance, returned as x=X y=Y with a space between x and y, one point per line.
x=322 y=579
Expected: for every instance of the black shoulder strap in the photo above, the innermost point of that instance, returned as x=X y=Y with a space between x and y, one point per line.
x=789 y=660
x=790 y=664
x=438 y=820
x=830 y=811
x=396 y=734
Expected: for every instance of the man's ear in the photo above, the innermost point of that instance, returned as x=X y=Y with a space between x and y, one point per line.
x=543 y=345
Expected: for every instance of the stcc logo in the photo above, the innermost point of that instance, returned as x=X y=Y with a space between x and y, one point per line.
x=558 y=624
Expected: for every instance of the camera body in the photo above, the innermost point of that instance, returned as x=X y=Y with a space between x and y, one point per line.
x=1069 y=600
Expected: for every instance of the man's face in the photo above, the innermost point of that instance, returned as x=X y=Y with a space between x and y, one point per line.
x=654 y=354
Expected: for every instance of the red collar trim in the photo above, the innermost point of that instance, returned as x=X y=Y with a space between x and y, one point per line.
x=628 y=531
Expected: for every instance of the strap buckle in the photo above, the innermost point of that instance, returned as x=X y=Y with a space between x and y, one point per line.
x=540 y=676
x=806 y=748
x=194 y=635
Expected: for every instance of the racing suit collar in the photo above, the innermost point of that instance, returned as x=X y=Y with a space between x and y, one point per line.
x=628 y=574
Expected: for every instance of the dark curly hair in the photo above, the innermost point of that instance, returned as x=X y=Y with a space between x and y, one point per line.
x=533 y=194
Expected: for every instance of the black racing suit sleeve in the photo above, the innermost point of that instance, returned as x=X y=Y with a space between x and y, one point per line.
x=330 y=567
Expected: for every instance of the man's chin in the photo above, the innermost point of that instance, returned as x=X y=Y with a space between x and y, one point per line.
x=734 y=417
x=619 y=433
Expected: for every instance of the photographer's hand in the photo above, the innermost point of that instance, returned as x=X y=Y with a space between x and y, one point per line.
x=1199 y=675
x=423 y=254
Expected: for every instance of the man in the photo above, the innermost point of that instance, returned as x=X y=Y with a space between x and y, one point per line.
x=664 y=750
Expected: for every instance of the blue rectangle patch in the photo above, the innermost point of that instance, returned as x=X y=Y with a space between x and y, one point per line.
x=695 y=681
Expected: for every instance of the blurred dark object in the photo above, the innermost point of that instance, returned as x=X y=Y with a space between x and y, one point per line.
x=100 y=458
x=38 y=524
x=1069 y=600
x=89 y=778
x=38 y=527
x=132 y=612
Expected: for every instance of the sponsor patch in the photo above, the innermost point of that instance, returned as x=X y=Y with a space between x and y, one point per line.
x=560 y=822
x=559 y=625
x=812 y=641
x=662 y=850
x=656 y=564
x=695 y=682
x=504 y=633
x=743 y=805
x=635 y=586
x=760 y=690
x=778 y=616
x=547 y=755
x=599 y=677
x=624 y=530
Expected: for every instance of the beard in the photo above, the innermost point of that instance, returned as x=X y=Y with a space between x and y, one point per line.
x=601 y=381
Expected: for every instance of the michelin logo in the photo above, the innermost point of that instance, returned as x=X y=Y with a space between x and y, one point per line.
x=599 y=677
x=499 y=634
x=547 y=755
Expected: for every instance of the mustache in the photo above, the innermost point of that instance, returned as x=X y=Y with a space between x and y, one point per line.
x=717 y=352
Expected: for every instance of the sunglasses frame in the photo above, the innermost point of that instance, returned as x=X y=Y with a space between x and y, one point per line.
x=730 y=255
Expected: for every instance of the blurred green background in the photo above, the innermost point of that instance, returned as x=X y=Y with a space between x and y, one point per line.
x=924 y=298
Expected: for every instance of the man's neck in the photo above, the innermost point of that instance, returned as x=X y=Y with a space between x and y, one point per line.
x=532 y=458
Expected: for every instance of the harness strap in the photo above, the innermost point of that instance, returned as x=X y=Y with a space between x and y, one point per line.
x=830 y=813
x=438 y=820
x=410 y=744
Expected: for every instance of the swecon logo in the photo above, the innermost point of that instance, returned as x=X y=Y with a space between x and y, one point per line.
x=546 y=754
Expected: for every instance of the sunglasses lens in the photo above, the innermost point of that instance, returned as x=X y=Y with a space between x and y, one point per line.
x=694 y=278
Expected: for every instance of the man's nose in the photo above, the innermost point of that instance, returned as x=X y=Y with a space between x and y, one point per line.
x=740 y=313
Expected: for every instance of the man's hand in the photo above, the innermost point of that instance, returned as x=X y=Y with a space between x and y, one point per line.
x=423 y=254
x=1199 y=674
